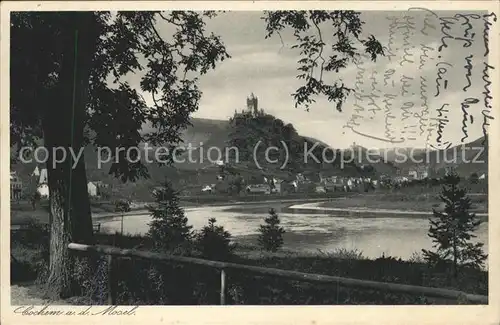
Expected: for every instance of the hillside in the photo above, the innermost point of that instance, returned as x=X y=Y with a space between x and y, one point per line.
x=204 y=134
x=363 y=156
x=466 y=159
x=392 y=153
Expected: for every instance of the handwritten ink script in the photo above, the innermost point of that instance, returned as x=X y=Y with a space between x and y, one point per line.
x=48 y=310
x=433 y=82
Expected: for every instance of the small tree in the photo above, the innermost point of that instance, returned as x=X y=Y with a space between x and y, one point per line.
x=236 y=184
x=122 y=206
x=169 y=229
x=474 y=178
x=35 y=199
x=271 y=234
x=214 y=242
x=452 y=229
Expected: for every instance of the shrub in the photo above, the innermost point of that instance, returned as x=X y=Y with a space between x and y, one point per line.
x=169 y=229
x=416 y=257
x=344 y=254
x=122 y=205
x=91 y=278
x=214 y=242
x=474 y=178
x=452 y=230
x=271 y=234
x=30 y=252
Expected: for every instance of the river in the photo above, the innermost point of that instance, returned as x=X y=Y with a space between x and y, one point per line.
x=309 y=228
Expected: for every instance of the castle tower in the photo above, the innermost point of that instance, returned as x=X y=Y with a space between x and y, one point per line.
x=253 y=104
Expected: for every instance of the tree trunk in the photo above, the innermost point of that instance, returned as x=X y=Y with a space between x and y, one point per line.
x=63 y=123
x=455 y=255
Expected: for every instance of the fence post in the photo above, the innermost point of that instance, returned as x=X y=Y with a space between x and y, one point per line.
x=222 y=287
x=111 y=281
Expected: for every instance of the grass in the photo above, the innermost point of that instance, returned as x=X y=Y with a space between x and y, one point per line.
x=148 y=283
x=221 y=198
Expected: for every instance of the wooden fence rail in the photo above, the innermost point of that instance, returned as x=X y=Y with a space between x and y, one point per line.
x=111 y=251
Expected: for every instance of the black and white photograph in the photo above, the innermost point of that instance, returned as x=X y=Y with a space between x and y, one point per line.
x=263 y=157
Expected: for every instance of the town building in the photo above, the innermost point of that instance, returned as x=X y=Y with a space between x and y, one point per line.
x=43 y=176
x=43 y=190
x=16 y=186
x=36 y=172
x=92 y=189
x=101 y=184
x=277 y=183
x=418 y=173
x=43 y=187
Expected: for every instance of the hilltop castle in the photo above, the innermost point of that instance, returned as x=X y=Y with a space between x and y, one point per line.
x=253 y=106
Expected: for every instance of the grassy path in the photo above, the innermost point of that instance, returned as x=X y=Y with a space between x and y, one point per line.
x=30 y=294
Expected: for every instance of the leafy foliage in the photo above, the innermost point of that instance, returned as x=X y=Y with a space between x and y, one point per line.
x=246 y=130
x=169 y=229
x=235 y=182
x=271 y=234
x=127 y=42
x=130 y=42
x=474 y=178
x=309 y=29
x=452 y=230
x=214 y=242
x=122 y=206
x=112 y=113
x=254 y=134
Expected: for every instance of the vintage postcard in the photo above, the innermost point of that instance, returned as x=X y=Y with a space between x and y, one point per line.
x=250 y=162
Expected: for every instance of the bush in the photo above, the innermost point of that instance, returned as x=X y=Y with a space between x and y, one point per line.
x=91 y=278
x=214 y=242
x=416 y=257
x=30 y=252
x=271 y=234
x=122 y=205
x=344 y=254
x=474 y=178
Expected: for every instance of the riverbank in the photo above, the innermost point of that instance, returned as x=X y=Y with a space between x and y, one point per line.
x=395 y=201
x=23 y=213
x=241 y=205
x=371 y=205
x=361 y=212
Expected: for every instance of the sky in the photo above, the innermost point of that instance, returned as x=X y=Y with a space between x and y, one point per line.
x=268 y=68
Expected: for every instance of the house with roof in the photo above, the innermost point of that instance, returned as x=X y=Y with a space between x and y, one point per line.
x=43 y=176
x=278 y=184
x=101 y=184
x=92 y=189
x=43 y=187
x=43 y=190
x=16 y=186
x=36 y=172
x=418 y=173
